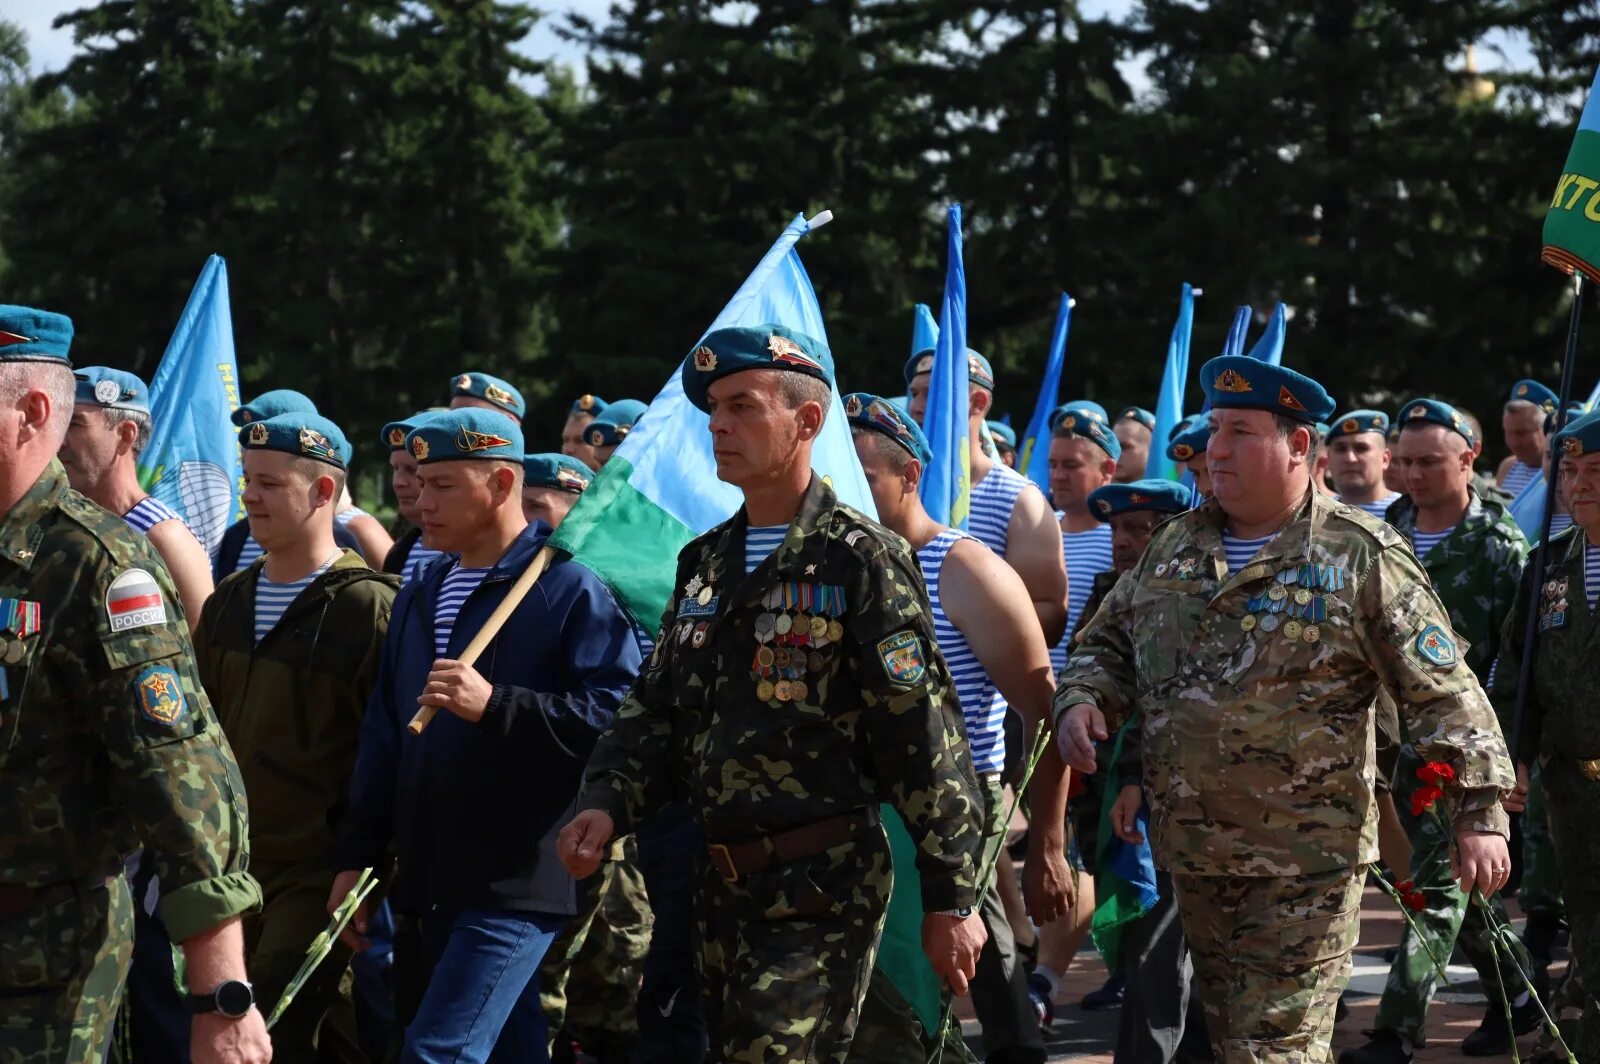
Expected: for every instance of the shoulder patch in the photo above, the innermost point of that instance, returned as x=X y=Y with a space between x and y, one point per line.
x=901 y=654
x=134 y=601
x=160 y=695
x=1436 y=647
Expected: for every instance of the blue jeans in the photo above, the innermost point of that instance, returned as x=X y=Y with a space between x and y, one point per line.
x=482 y=1001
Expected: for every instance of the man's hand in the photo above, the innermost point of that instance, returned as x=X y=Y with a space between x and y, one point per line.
x=1124 y=814
x=1481 y=860
x=458 y=687
x=355 y=931
x=215 y=1039
x=952 y=945
x=1048 y=888
x=582 y=843
x=1517 y=801
x=1081 y=726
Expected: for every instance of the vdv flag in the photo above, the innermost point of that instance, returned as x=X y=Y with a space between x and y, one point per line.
x=1572 y=223
x=924 y=331
x=1237 y=332
x=947 y=482
x=1174 y=378
x=192 y=460
x=1269 y=348
x=1033 y=450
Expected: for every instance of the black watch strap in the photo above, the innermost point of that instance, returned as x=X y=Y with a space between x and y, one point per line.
x=232 y=998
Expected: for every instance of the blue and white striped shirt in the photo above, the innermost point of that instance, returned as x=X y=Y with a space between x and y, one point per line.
x=1423 y=542
x=417 y=559
x=458 y=584
x=249 y=553
x=993 y=499
x=1377 y=508
x=273 y=599
x=1559 y=523
x=1518 y=477
x=986 y=733
x=1591 y=573
x=343 y=518
x=759 y=543
x=1239 y=551
x=149 y=512
x=1088 y=554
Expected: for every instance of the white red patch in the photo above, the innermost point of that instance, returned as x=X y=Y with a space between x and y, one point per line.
x=134 y=601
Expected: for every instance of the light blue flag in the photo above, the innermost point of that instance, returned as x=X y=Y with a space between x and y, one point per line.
x=1527 y=509
x=924 y=330
x=192 y=460
x=1033 y=450
x=1269 y=348
x=1237 y=332
x=1174 y=378
x=947 y=482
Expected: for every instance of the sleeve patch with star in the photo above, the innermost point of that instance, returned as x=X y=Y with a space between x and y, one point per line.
x=160 y=695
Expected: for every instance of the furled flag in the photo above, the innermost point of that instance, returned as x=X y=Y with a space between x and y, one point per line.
x=1033 y=450
x=192 y=460
x=1174 y=378
x=1269 y=348
x=1125 y=874
x=1234 y=344
x=1572 y=224
x=947 y=482
x=924 y=330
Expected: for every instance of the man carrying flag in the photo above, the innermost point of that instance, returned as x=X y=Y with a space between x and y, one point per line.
x=795 y=685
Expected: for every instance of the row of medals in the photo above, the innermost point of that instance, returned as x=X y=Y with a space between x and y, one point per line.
x=789 y=646
x=1303 y=606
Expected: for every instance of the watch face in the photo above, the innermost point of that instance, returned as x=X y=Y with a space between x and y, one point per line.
x=234 y=998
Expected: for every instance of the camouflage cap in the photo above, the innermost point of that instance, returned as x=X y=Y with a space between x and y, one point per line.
x=1161 y=496
x=559 y=471
x=1239 y=382
x=490 y=390
x=613 y=426
x=300 y=434
x=1434 y=412
x=725 y=352
x=113 y=389
x=271 y=404
x=468 y=433
x=30 y=335
x=878 y=414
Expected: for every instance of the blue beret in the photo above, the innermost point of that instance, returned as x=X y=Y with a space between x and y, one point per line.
x=470 y=432
x=592 y=405
x=1552 y=422
x=878 y=414
x=490 y=389
x=728 y=351
x=1003 y=433
x=1139 y=414
x=1433 y=412
x=300 y=434
x=557 y=471
x=613 y=426
x=1239 y=382
x=1531 y=391
x=113 y=389
x=1353 y=422
x=1189 y=438
x=1323 y=429
x=29 y=335
x=395 y=432
x=1089 y=421
x=1579 y=437
x=1162 y=496
x=979 y=371
x=1083 y=408
x=271 y=404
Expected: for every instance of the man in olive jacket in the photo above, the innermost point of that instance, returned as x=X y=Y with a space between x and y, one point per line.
x=288 y=650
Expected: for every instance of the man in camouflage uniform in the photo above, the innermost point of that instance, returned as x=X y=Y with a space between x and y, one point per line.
x=107 y=743
x=1253 y=638
x=790 y=693
x=1474 y=567
x=1560 y=728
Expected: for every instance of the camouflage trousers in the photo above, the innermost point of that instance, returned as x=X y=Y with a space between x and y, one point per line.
x=786 y=953
x=62 y=967
x=1572 y=801
x=1271 y=957
x=1447 y=919
x=320 y=1026
x=889 y=1031
x=589 y=981
x=1540 y=892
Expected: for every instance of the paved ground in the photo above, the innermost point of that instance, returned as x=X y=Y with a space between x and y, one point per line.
x=1088 y=1036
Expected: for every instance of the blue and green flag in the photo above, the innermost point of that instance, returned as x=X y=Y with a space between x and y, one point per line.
x=1572 y=223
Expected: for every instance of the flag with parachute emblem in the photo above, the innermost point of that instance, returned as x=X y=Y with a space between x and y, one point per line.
x=192 y=460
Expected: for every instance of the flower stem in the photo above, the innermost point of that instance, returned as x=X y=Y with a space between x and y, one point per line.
x=322 y=945
x=1500 y=931
x=1416 y=929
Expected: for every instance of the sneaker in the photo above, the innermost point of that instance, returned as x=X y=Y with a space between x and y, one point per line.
x=1383 y=1047
x=1044 y=1010
x=1107 y=997
x=1493 y=1038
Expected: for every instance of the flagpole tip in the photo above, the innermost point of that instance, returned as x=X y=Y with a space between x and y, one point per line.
x=1071 y=302
x=822 y=219
x=1197 y=292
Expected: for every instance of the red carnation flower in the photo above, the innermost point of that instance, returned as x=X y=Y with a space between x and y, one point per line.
x=1404 y=887
x=1436 y=772
x=1424 y=797
x=1416 y=901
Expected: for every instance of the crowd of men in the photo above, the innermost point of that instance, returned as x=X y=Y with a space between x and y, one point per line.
x=645 y=842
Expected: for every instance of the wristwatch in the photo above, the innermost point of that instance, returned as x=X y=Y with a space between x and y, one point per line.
x=961 y=913
x=233 y=999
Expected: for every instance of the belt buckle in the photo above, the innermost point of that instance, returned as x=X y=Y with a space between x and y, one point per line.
x=722 y=861
x=1590 y=769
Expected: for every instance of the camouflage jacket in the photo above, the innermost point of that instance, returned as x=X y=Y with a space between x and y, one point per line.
x=107 y=741
x=1475 y=571
x=1103 y=583
x=1559 y=720
x=1258 y=725
x=874 y=717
